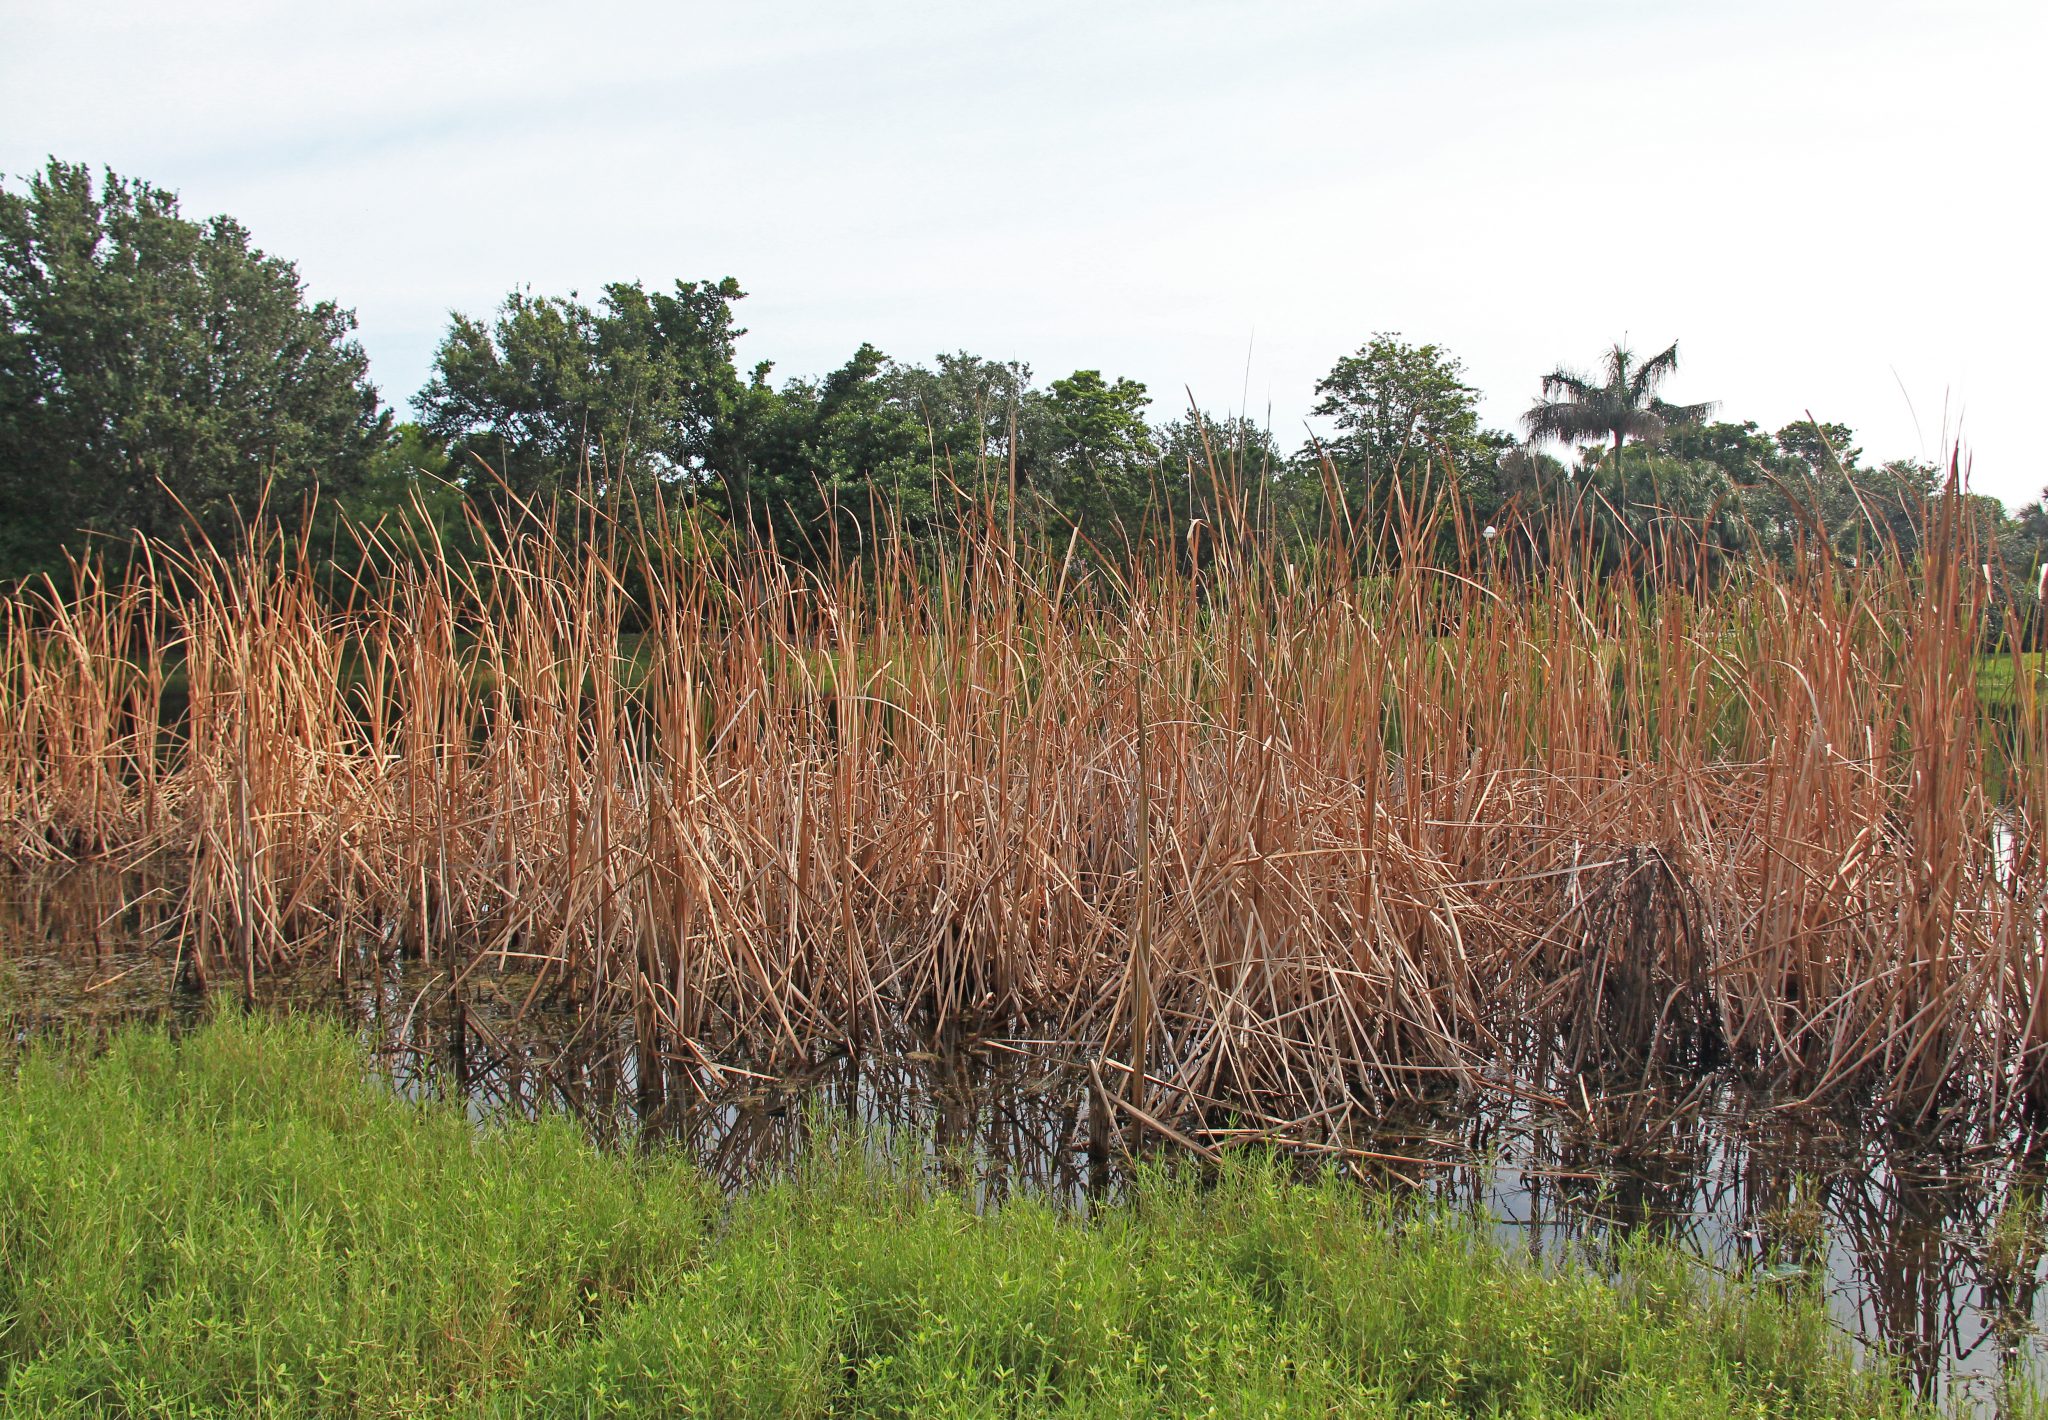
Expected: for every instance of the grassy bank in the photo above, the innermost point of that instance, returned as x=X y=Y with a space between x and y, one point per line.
x=240 y=1223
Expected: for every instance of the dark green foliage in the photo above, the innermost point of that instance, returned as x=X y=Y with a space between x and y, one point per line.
x=1807 y=485
x=1651 y=510
x=155 y=370
x=1742 y=451
x=1407 y=423
x=1526 y=480
x=966 y=408
x=406 y=506
x=1093 y=462
x=1620 y=403
x=838 y=460
x=637 y=394
x=1215 y=472
x=241 y=1224
x=1079 y=453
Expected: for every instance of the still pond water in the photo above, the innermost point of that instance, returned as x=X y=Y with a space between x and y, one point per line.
x=1928 y=1244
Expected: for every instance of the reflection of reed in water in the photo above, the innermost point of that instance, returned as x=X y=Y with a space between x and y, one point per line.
x=2009 y=1277
x=1931 y=1248
x=1906 y=1240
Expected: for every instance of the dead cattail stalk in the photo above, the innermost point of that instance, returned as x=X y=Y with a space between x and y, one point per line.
x=1293 y=838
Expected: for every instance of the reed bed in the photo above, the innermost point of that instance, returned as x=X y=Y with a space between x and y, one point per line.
x=1281 y=840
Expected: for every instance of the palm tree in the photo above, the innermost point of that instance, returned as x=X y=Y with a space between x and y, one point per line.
x=1624 y=407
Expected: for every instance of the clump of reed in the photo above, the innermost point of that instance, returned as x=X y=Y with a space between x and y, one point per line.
x=1283 y=839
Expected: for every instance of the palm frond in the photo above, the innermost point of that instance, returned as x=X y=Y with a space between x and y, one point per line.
x=1653 y=372
x=1568 y=382
x=1635 y=423
x=1564 y=420
x=1671 y=413
x=1622 y=407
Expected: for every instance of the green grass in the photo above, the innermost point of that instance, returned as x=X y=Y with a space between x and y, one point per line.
x=242 y=1222
x=1995 y=689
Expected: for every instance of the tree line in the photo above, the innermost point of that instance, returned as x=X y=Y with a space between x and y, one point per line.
x=161 y=374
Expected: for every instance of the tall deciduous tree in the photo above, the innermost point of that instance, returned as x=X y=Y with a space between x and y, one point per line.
x=966 y=403
x=972 y=413
x=1404 y=416
x=1819 y=488
x=638 y=392
x=838 y=459
x=1620 y=403
x=154 y=369
x=1090 y=454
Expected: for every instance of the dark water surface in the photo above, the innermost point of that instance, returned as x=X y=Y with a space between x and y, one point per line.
x=1930 y=1245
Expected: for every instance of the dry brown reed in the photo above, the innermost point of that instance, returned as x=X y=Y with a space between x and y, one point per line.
x=1293 y=839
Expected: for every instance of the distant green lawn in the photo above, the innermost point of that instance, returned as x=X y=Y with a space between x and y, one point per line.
x=243 y=1224
x=1996 y=687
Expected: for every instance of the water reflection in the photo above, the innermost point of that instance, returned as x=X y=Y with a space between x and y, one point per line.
x=1929 y=1244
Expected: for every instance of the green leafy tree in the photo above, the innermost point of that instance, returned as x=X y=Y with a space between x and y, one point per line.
x=409 y=470
x=406 y=508
x=1820 y=447
x=1526 y=480
x=409 y=493
x=637 y=394
x=1742 y=451
x=1893 y=505
x=1080 y=451
x=967 y=407
x=1775 y=501
x=156 y=371
x=1811 y=489
x=1859 y=510
x=973 y=413
x=1090 y=457
x=1619 y=404
x=1405 y=417
x=839 y=460
x=1660 y=515
x=1806 y=483
x=2027 y=536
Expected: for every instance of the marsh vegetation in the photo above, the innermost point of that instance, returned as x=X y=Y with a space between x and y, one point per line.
x=632 y=728
x=242 y=1223
x=1273 y=842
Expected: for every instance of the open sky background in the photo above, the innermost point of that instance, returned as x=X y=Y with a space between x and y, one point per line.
x=1833 y=205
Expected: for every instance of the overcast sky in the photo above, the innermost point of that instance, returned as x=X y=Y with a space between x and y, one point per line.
x=1835 y=207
